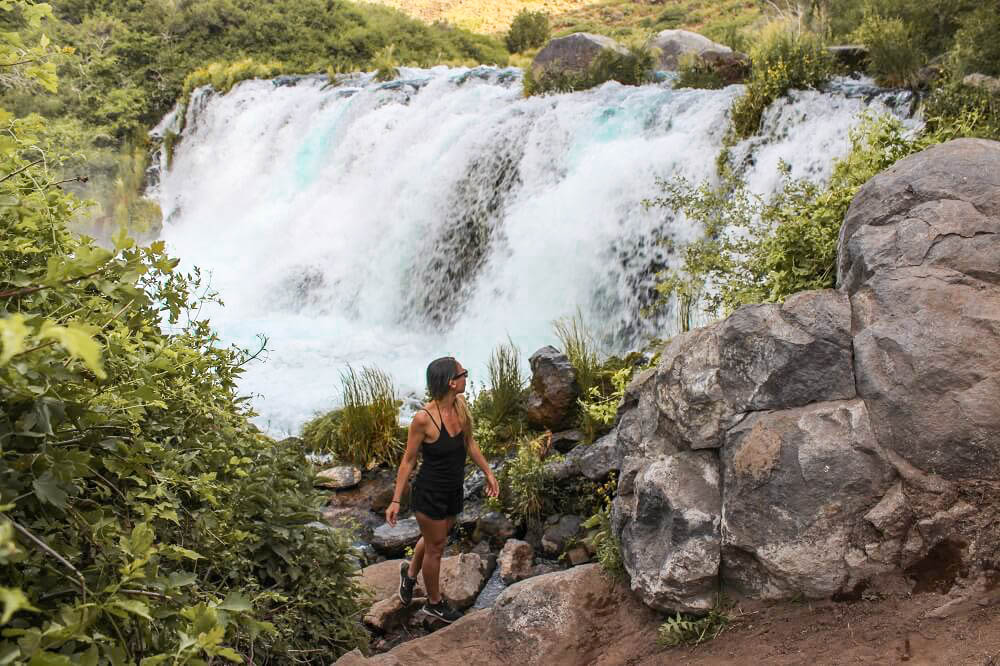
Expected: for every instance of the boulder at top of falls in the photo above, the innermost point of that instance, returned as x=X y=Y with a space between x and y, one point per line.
x=675 y=46
x=920 y=258
x=572 y=53
x=554 y=389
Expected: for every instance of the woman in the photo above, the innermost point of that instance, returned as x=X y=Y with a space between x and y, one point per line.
x=437 y=493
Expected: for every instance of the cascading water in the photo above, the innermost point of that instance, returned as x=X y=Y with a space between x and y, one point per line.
x=388 y=224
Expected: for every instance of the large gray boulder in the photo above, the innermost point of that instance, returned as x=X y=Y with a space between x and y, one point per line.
x=676 y=47
x=572 y=53
x=761 y=357
x=920 y=259
x=668 y=515
x=798 y=485
x=553 y=388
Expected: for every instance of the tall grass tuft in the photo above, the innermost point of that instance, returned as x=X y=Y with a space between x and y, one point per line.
x=369 y=426
x=365 y=431
x=580 y=347
x=894 y=54
x=507 y=383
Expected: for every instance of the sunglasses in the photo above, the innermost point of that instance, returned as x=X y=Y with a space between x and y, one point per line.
x=464 y=373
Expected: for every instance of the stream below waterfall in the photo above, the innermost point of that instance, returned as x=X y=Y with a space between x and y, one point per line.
x=387 y=224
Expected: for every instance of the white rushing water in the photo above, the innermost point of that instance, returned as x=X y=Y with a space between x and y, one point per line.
x=389 y=224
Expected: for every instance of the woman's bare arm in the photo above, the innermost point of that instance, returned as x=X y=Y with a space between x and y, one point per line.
x=414 y=439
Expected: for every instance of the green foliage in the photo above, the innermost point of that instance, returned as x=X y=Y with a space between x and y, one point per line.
x=601 y=539
x=784 y=58
x=976 y=47
x=498 y=411
x=365 y=431
x=694 y=72
x=632 y=68
x=141 y=514
x=528 y=30
x=894 y=55
x=691 y=630
x=955 y=110
x=761 y=251
x=524 y=481
x=386 y=67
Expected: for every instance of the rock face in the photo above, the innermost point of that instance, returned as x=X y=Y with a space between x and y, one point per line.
x=856 y=432
x=921 y=261
x=761 y=357
x=570 y=617
x=668 y=518
x=674 y=46
x=797 y=481
x=572 y=53
x=553 y=388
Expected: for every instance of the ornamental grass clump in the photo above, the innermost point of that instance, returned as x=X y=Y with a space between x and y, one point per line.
x=498 y=410
x=784 y=58
x=368 y=428
x=894 y=53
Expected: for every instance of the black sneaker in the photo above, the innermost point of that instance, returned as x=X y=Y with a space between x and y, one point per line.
x=442 y=611
x=405 y=583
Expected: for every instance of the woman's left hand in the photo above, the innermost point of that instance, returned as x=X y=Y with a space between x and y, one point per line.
x=492 y=487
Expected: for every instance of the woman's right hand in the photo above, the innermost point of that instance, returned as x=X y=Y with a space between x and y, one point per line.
x=391 y=513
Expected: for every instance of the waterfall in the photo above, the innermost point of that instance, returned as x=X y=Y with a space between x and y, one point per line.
x=439 y=214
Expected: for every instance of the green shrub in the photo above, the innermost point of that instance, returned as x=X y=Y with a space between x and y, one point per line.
x=528 y=30
x=632 y=68
x=894 y=56
x=142 y=516
x=976 y=47
x=955 y=110
x=759 y=251
x=524 y=481
x=784 y=58
x=323 y=432
x=601 y=540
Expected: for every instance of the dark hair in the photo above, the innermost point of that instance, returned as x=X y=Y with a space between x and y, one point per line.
x=439 y=373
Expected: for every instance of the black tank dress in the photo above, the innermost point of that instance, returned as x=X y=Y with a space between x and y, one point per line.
x=437 y=490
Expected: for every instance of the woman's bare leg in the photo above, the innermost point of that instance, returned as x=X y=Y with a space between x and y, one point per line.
x=435 y=536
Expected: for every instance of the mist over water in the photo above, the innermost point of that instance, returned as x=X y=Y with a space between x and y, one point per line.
x=389 y=224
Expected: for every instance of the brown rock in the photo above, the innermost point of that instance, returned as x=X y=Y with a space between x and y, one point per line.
x=553 y=388
x=515 y=560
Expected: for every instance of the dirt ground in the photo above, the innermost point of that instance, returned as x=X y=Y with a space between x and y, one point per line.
x=888 y=631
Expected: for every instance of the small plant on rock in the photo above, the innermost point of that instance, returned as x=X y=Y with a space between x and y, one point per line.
x=685 y=629
x=602 y=540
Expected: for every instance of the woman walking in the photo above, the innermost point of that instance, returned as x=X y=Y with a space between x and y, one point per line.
x=437 y=493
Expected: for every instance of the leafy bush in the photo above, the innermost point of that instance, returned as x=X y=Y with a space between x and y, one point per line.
x=759 y=251
x=893 y=54
x=955 y=110
x=976 y=47
x=528 y=30
x=602 y=540
x=600 y=407
x=141 y=514
x=632 y=68
x=524 y=481
x=784 y=58
x=365 y=431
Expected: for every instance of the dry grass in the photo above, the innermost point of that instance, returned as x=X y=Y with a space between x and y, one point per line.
x=483 y=16
x=722 y=20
